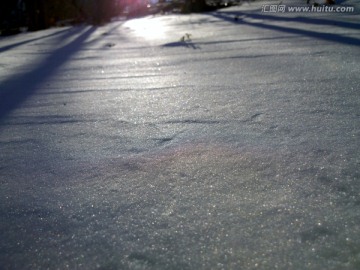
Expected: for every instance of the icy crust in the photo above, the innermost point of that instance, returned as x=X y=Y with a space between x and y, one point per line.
x=235 y=148
x=197 y=205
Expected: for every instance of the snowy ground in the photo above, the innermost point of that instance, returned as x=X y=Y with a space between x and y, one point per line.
x=122 y=147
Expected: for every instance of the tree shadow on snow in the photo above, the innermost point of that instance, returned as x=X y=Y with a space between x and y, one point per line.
x=14 y=45
x=300 y=19
x=238 y=18
x=186 y=44
x=16 y=89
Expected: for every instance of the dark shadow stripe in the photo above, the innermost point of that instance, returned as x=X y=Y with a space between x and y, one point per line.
x=15 y=90
x=14 y=45
x=317 y=35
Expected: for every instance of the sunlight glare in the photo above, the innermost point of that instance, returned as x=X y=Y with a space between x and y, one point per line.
x=148 y=28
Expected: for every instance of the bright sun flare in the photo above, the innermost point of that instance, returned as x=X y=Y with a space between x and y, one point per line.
x=147 y=28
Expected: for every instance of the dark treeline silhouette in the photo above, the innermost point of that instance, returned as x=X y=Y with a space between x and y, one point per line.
x=40 y=14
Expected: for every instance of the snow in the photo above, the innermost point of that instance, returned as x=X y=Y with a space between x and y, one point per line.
x=123 y=147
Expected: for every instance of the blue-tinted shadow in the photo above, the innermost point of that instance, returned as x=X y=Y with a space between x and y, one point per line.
x=18 y=88
x=236 y=17
x=14 y=45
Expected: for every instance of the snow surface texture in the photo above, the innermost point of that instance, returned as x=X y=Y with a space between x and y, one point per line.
x=137 y=146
